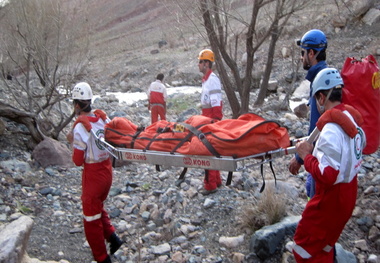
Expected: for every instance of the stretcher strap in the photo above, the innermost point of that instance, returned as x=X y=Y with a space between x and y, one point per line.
x=113 y=162
x=262 y=175
x=134 y=136
x=206 y=175
x=159 y=131
x=182 y=175
x=187 y=138
x=203 y=139
x=229 y=178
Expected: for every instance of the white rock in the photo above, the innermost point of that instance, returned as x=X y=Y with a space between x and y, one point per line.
x=237 y=257
x=290 y=116
x=231 y=242
x=361 y=244
x=289 y=246
x=178 y=257
x=186 y=229
x=303 y=90
x=59 y=213
x=285 y=52
x=369 y=190
x=272 y=84
x=168 y=216
x=372 y=259
x=372 y=16
x=161 y=249
x=209 y=203
x=357 y=211
x=192 y=192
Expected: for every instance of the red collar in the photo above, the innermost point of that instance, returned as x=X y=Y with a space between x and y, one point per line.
x=340 y=106
x=93 y=118
x=205 y=77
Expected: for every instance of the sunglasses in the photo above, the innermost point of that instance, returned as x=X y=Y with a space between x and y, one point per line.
x=302 y=53
x=202 y=61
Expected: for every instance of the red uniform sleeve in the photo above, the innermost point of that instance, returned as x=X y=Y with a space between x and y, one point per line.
x=329 y=175
x=78 y=157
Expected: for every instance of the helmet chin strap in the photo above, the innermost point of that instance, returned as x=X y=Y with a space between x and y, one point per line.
x=308 y=66
x=79 y=110
x=323 y=107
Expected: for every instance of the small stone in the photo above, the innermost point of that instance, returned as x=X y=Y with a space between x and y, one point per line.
x=231 y=242
x=161 y=249
x=237 y=257
x=372 y=259
x=178 y=257
x=361 y=244
x=374 y=233
x=75 y=230
x=209 y=203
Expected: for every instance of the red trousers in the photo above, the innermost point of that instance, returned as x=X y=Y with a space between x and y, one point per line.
x=96 y=183
x=323 y=221
x=212 y=179
x=157 y=110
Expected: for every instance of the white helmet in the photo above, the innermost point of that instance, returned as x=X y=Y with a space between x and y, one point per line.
x=326 y=79
x=82 y=91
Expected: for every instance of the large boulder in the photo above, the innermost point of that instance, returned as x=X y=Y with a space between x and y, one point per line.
x=265 y=242
x=51 y=152
x=14 y=239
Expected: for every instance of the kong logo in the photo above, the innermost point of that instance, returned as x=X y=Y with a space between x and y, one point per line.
x=135 y=157
x=196 y=162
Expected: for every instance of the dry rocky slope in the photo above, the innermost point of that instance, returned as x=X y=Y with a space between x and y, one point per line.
x=159 y=221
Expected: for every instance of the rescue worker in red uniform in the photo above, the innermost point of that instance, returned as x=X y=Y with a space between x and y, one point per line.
x=211 y=101
x=157 y=99
x=96 y=174
x=334 y=163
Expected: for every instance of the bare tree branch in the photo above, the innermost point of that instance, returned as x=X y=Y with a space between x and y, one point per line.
x=42 y=51
x=219 y=22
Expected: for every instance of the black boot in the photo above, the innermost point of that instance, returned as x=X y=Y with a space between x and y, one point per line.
x=107 y=260
x=115 y=243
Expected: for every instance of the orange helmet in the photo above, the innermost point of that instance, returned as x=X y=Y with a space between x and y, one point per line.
x=206 y=54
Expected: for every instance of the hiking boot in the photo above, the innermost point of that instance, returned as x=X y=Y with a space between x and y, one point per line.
x=115 y=243
x=107 y=260
x=207 y=192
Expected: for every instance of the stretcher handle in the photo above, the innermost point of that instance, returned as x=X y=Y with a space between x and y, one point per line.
x=310 y=139
x=313 y=135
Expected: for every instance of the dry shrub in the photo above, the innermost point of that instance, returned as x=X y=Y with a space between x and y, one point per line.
x=268 y=209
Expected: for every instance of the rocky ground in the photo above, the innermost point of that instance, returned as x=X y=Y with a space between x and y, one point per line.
x=156 y=218
x=150 y=212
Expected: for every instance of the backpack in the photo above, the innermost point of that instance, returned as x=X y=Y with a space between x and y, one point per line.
x=361 y=78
